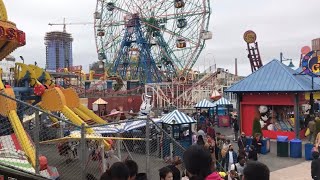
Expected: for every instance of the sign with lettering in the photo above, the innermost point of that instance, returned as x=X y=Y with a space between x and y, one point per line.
x=12 y=34
x=311 y=64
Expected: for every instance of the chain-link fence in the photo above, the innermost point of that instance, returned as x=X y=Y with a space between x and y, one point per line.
x=66 y=150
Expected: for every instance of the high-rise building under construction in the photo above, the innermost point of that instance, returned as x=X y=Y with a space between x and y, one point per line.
x=58 y=50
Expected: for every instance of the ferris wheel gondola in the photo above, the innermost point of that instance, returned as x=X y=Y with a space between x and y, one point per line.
x=167 y=36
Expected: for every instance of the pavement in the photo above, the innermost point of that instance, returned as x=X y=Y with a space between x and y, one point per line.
x=296 y=172
x=282 y=168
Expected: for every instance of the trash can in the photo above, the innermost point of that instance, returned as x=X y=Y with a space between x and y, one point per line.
x=282 y=146
x=308 y=151
x=265 y=149
x=249 y=142
x=296 y=148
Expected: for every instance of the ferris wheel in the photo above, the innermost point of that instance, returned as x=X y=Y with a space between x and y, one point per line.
x=151 y=40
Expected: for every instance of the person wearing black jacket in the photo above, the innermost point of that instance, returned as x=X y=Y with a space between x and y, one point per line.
x=315 y=166
x=257 y=143
x=235 y=129
x=242 y=141
x=253 y=155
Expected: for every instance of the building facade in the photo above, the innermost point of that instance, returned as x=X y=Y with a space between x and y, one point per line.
x=316 y=44
x=58 y=50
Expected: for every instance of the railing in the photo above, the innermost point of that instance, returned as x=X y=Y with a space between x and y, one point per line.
x=149 y=145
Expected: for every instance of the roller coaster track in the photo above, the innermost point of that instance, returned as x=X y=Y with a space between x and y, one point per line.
x=186 y=96
x=95 y=92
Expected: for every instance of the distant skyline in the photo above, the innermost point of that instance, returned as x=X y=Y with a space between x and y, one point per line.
x=281 y=26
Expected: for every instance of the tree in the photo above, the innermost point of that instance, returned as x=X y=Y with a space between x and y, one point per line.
x=256 y=127
x=317 y=127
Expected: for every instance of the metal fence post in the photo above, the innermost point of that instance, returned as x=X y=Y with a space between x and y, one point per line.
x=83 y=152
x=119 y=147
x=148 y=147
x=36 y=140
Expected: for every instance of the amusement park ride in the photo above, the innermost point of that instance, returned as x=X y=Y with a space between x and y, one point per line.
x=151 y=41
x=36 y=87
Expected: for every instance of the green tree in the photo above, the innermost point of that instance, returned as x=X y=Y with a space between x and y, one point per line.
x=317 y=128
x=256 y=127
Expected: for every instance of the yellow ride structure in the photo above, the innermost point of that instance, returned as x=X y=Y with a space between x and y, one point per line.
x=57 y=99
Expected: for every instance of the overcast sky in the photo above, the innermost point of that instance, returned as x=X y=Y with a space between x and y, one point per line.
x=281 y=26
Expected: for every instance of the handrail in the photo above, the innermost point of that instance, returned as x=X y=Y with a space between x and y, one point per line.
x=38 y=109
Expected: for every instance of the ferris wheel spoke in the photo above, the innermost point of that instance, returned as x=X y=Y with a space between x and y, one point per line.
x=157 y=23
x=168 y=31
x=167 y=51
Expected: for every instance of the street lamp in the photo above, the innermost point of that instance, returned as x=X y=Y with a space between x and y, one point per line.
x=21 y=57
x=291 y=65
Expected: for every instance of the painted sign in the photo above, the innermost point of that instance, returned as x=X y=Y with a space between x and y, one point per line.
x=305 y=50
x=250 y=37
x=311 y=64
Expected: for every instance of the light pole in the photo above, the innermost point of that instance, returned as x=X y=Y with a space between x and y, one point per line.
x=286 y=59
x=205 y=62
x=21 y=57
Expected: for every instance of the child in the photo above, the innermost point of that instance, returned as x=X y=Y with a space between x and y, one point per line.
x=253 y=155
x=165 y=173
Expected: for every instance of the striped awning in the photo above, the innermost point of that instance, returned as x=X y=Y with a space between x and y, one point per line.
x=204 y=104
x=221 y=102
x=177 y=117
x=123 y=127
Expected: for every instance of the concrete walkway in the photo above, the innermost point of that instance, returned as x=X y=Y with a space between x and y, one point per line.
x=301 y=171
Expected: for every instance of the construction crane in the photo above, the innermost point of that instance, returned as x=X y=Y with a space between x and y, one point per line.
x=64 y=24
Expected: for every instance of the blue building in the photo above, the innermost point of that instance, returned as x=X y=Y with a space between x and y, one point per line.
x=58 y=50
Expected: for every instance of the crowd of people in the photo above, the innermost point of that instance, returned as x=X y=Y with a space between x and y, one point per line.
x=212 y=156
x=199 y=165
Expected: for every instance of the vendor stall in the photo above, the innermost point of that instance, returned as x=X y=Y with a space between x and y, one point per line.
x=272 y=95
x=204 y=104
x=223 y=108
x=178 y=125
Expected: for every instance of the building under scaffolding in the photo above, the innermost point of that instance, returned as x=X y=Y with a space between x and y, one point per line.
x=58 y=50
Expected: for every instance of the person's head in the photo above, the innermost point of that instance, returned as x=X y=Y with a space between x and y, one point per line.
x=242 y=161
x=197 y=161
x=315 y=155
x=228 y=141
x=175 y=172
x=243 y=134
x=141 y=176
x=133 y=168
x=257 y=135
x=176 y=161
x=233 y=174
x=256 y=170
x=200 y=137
x=230 y=147
x=165 y=173
x=118 y=171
